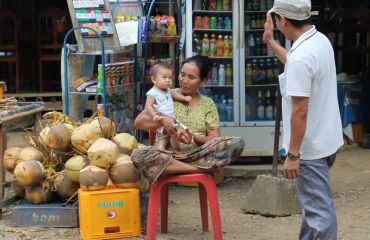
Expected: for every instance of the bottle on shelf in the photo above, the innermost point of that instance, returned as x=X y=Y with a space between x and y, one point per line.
x=226 y=46
x=219 y=46
x=214 y=74
x=204 y=4
x=259 y=22
x=255 y=5
x=261 y=72
x=205 y=45
x=255 y=72
x=220 y=23
x=248 y=74
x=222 y=108
x=269 y=107
x=213 y=23
x=221 y=75
x=226 y=6
x=263 y=5
x=260 y=106
x=230 y=110
x=229 y=75
x=252 y=45
x=197 y=5
x=258 y=45
x=198 y=22
x=227 y=23
x=247 y=21
x=231 y=45
x=253 y=21
x=276 y=102
x=269 y=72
x=197 y=44
x=212 y=5
x=205 y=22
x=212 y=45
x=219 y=5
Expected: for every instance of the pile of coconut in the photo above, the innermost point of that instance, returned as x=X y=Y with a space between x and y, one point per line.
x=65 y=156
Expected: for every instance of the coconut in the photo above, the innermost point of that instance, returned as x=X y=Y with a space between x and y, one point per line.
x=126 y=143
x=58 y=137
x=73 y=167
x=40 y=193
x=83 y=137
x=31 y=153
x=29 y=173
x=43 y=135
x=65 y=187
x=18 y=189
x=103 y=153
x=11 y=158
x=93 y=178
x=104 y=127
x=69 y=127
x=123 y=173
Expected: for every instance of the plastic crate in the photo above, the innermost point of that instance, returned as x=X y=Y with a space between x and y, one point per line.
x=109 y=213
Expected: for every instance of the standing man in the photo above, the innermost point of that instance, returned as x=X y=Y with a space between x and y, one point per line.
x=311 y=119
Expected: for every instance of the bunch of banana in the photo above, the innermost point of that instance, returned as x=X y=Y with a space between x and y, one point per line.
x=59 y=118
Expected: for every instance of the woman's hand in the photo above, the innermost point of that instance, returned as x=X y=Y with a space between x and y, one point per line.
x=268 y=35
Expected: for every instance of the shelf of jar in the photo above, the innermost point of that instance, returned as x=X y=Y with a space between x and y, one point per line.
x=251 y=57
x=256 y=11
x=262 y=85
x=218 y=86
x=211 y=30
x=220 y=57
x=212 y=11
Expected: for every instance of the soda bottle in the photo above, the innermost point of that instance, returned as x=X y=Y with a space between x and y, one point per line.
x=197 y=5
x=255 y=72
x=226 y=46
x=261 y=72
x=204 y=4
x=253 y=21
x=260 y=106
x=230 y=110
x=212 y=45
x=226 y=5
x=263 y=5
x=269 y=72
x=255 y=5
x=229 y=75
x=248 y=74
x=220 y=46
x=205 y=24
x=212 y=5
x=219 y=5
x=258 y=45
x=269 y=107
x=220 y=23
x=205 y=45
x=252 y=45
x=213 y=23
x=221 y=75
x=214 y=74
x=227 y=23
x=197 y=44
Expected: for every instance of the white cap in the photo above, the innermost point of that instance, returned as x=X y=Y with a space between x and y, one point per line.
x=293 y=9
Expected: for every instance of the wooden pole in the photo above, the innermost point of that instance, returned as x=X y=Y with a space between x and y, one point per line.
x=276 y=135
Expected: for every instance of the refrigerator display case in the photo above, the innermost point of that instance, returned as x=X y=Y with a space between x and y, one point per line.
x=243 y=81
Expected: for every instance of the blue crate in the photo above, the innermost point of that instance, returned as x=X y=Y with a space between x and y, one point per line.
x=45 y=215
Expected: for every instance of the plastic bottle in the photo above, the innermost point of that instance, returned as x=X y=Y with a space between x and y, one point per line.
x=269 y=107
x=252 y=45
x=248 y=74
x=229 y=75
x=231 y=45
x=212 y=5
x=276 y=70
x=255 y=71
x=222 y=109
x=197 y=44
x=226 y=5
x=230 y=110
x=261 y=72
x=226 y=46
x=269 y=72
x=260 y=106
x=220 y=46
x=212 y=45
x=214 y=74
x=219 y=5
x=221 y=75
x=205 y=45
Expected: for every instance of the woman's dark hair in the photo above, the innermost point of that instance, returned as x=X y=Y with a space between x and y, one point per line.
x=295 y=23
x=202 y=63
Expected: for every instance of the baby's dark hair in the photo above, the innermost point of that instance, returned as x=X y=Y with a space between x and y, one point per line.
x=202 y=63
x=157 y=65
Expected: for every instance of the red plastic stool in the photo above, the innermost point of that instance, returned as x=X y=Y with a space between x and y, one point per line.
x=159 y=192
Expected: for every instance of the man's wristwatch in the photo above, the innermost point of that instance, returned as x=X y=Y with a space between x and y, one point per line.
x=293 y=156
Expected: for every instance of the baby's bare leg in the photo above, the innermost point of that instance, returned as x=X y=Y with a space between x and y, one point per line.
x=174 y=142
x=163 y=142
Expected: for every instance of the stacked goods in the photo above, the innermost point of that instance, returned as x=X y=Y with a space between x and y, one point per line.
x=66 y=155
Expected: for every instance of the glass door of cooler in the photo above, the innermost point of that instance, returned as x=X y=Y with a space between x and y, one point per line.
x=259 y=67
x=211 y=30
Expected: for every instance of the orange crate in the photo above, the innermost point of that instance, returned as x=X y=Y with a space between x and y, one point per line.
x=109 y=213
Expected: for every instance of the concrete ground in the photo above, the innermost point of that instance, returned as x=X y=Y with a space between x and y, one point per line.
x=350 y=184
